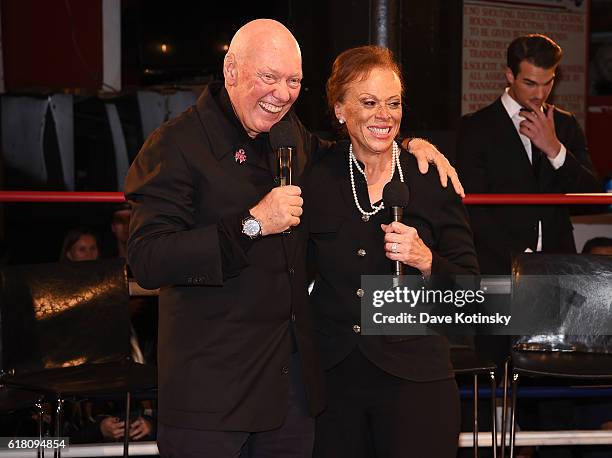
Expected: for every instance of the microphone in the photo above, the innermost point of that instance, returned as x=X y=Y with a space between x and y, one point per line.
x=396 y=196
x=282 y=140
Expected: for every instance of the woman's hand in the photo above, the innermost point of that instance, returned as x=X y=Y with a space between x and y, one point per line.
x=426 y=153
x=402 y=243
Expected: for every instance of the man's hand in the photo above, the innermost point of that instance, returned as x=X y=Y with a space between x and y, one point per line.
x=279 y=210
x=426 y=153
x=540 y=129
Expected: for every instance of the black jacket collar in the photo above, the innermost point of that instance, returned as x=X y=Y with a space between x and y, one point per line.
x=216 y=115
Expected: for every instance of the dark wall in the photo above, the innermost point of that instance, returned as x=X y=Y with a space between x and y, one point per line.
x=52 y=45
x=194 y=32
x=431 y=62
x=429 y=53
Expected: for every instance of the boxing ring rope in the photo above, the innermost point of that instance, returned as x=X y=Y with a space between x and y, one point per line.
x=470 y=199
x=61 y=196
x=538 y=199
x=523 y=438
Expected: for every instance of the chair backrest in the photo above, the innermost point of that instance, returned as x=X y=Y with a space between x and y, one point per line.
x=64 y=314
x=570 y=297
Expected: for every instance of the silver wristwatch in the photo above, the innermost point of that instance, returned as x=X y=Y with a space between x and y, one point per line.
x=251 y=227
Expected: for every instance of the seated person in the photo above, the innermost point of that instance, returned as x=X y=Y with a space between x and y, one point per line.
x=598 y=245
x=107 y=424
x=80 y=244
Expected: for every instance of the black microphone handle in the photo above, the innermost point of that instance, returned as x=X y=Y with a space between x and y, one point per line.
x=397 y=213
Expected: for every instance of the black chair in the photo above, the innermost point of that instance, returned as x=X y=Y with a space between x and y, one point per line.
x=466 y=361
x=66 y=333
x=12 y=400
x=566 y=299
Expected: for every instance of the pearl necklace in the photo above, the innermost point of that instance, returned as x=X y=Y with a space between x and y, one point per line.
x=394 y=162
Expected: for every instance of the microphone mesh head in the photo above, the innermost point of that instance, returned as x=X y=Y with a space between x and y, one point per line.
x=396 y=194
x=282 y=135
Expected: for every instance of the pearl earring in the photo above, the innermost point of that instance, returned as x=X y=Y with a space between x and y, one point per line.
x=341 y=121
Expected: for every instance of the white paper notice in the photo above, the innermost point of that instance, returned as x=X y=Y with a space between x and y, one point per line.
x=490 y=26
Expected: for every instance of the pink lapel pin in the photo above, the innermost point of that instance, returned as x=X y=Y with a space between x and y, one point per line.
x=240 y=156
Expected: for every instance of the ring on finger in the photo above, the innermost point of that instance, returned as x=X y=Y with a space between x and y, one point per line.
x=394 y=247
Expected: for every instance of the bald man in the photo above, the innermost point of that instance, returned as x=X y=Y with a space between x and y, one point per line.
x=238 y=372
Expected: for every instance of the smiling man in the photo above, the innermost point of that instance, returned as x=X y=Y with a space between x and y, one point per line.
x=521 y=144
x=263 y=74
x=238 y=372
x=237 y=367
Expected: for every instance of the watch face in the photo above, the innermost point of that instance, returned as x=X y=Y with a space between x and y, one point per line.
x=251 y=227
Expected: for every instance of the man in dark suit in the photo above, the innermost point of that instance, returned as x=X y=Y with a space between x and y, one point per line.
x=206 y=228
x=520 y=144
x=238 y=372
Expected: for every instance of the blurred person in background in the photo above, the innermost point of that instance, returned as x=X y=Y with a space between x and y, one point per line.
x=598 y=245
x=80 y=244
x=106 y=424
x=120 y=227
x=600 y=71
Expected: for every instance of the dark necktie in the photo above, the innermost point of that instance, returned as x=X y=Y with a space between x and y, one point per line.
x=536 y=154
x=536 y=160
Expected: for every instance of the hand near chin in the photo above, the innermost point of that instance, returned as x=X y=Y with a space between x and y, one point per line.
x=402 y=243
x=540 y=129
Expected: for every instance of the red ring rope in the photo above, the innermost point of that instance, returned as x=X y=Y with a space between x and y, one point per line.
x=60 y=196
x=538 y=199
x=470 y=199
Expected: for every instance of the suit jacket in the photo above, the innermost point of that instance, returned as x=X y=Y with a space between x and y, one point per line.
x=343 y=247
x=492 y=159
x=225 y=304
